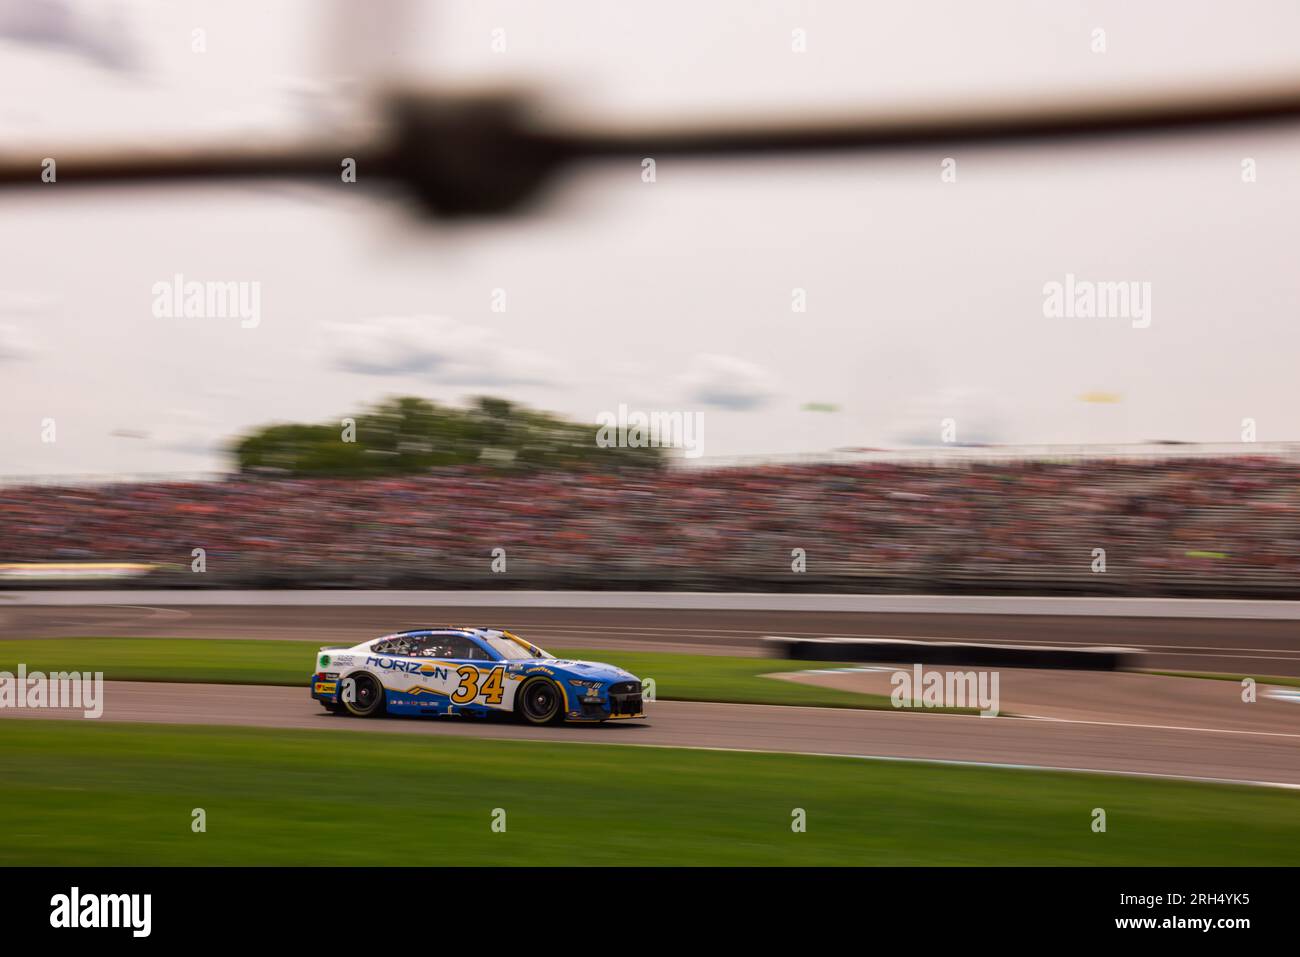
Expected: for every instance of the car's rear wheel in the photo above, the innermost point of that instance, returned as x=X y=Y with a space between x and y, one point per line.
x=540 y=701
x=367 y=695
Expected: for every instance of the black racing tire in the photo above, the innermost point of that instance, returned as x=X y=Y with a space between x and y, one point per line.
x=369 y=696
x=539 y=701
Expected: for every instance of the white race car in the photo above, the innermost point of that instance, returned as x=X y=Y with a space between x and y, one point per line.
x=475 y=671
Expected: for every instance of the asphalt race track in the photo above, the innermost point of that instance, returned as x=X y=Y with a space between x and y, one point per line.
x=1126 y=744
x=1255 y=757
x=1232 y=646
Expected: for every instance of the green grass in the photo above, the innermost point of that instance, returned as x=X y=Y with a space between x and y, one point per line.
x=84 y=793
x=1214 y=676
x=680 y=677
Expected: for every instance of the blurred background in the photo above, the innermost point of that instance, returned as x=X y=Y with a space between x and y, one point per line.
x=915 y=422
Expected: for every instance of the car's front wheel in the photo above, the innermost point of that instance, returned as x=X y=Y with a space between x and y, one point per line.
x=365 y=699
x=540 y=701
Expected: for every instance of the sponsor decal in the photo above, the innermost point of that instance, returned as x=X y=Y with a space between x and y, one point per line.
x=408 y=667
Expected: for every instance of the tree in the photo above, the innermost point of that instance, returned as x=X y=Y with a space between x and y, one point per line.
x=408 y=434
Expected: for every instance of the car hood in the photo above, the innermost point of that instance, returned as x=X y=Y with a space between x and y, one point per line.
x=588 y=670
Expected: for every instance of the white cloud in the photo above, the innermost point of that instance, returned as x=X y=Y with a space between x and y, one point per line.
x=977 y=417
x=100 y=32
x=727 y=382
x=188 y=432
x=16 y=342
x=435 y=348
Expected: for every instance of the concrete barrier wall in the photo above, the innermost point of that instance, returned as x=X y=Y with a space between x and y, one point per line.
x=958 y=654
x=695 y=601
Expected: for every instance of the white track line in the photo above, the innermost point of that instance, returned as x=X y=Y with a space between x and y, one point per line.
x=1157 y=727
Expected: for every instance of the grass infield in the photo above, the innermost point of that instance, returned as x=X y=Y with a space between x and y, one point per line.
x=87 y=793
x=680 y=677
x=1289 y=682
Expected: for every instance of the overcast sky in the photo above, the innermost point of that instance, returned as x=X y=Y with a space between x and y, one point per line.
x=924 y=298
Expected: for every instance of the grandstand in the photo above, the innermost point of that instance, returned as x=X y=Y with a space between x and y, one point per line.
x=1169 y=519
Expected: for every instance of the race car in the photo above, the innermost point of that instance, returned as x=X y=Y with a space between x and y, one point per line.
x=456 y=670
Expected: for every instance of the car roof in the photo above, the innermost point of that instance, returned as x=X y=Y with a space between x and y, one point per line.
x=472 y=631
x=477 y=633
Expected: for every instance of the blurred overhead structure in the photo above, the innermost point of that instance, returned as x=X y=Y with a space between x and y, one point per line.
x=491 y=153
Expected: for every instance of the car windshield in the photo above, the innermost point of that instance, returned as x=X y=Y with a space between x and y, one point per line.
x=513 y=648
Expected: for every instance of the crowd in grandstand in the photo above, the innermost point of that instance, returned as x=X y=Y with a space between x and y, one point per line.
x=1231 y=523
